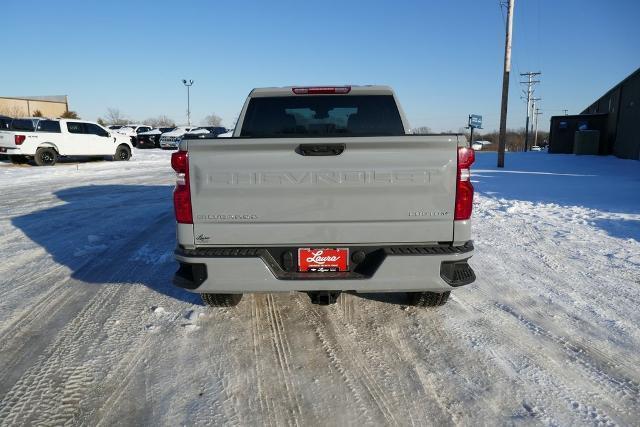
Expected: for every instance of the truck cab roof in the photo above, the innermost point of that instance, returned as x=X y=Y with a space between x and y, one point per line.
x=321 y=90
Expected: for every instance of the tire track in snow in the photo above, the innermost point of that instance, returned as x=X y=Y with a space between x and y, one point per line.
x=332 y=352
x=36 y=397
x=377 y=353
x=256 y=347
x=268 y=328
x=124 y=370
x=355 y=374
x=574 y=350
x=61 y=302
x=283 y=350
x=34 y=391
x=548 y=373
x=611 y=386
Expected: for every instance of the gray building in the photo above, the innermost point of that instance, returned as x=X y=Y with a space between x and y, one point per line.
x=621 y=104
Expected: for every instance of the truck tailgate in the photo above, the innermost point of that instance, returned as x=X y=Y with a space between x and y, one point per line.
x=7 y=139
x=379 y=189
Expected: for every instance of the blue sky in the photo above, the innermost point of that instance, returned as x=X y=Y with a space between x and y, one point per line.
x=444 y=58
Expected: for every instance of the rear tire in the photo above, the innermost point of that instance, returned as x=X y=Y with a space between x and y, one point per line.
x=428 y=299
x=19 y=160
x=221 y=300
x=45 y=157
x=123 y=153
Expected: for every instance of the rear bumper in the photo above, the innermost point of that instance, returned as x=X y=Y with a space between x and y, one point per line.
x=435 y=268
x=12 y=151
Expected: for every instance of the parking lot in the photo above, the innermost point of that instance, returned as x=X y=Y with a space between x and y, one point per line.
x=91 y=328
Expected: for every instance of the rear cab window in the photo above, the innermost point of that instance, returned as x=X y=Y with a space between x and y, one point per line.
x=23 y=125
x=322 y=115
x=48 y=126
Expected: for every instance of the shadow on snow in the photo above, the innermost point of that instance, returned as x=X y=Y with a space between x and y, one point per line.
x=120 y=234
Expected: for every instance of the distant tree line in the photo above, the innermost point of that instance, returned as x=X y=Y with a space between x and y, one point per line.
x=115 y=117
x=514 y=137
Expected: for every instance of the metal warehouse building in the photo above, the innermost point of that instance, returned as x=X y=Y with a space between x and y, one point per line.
x=49 y=106
x=622 y=106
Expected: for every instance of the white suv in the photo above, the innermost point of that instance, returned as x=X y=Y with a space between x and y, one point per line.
x=44 y=140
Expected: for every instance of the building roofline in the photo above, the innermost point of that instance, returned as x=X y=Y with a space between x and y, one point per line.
x=58 y=99
x=634 y=74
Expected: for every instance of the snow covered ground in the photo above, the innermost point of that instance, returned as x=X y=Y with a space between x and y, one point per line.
x=92 y=332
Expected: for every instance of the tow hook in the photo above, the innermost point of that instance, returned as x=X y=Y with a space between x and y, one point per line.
x=324 y=297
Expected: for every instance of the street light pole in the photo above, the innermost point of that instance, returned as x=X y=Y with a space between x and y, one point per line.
x=188 y=84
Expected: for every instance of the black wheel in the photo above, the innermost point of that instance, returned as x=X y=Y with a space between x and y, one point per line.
x=221 y=300
x=123 y=153
x=19 y=160
x=428 y=299
x=46 y=157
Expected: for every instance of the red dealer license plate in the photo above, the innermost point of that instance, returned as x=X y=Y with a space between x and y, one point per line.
x=323 y=260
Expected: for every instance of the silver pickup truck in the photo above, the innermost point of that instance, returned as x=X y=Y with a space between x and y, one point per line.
x=323 y=190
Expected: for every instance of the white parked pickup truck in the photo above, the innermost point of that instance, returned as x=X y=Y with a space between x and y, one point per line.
x=44 y=140
x=322 y=190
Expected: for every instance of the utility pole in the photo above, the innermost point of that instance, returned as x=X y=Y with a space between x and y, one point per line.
x=535 y=120
x=188 y=84
x=566 y=112
x=533 y=109
x=528 y=94
x=505 y=84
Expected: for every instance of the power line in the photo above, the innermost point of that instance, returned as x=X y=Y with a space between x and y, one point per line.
x=528 y=96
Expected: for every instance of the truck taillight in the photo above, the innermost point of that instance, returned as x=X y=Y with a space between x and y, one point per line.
x=182 y=192
x=464 y=189
x=321 y=90
x=19 y=139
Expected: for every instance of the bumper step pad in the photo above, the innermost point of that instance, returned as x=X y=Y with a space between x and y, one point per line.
x=457 y=273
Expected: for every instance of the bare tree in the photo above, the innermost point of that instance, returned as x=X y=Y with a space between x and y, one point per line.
x=160 y=121
x=421 y=130
x=13 y=111
x=37 y=113
x=70 y=115
x=212 y=120
x=115 y=117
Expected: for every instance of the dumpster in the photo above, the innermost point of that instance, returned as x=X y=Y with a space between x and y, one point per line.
x=586 y=142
